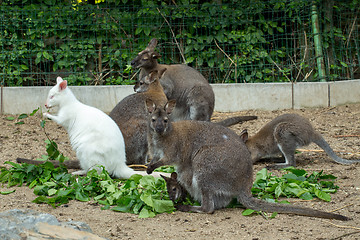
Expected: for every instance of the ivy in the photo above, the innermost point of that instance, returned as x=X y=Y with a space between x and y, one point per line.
x=94 y=44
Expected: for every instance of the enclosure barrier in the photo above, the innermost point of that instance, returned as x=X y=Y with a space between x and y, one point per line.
x=228 y=97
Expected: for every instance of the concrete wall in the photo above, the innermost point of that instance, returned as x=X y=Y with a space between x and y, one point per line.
x=229 y=97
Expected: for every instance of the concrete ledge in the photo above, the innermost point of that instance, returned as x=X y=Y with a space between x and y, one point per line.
x=229 y=97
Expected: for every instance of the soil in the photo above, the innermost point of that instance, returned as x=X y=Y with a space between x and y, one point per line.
x=340 y=126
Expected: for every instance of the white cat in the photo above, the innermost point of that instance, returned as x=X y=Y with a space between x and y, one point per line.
x=94 y=136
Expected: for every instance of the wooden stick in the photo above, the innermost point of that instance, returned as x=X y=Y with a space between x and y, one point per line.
x=341 y=136
x=70 y=164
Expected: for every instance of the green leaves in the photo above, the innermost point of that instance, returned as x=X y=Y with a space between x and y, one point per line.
x=142 y=195
x=295 y=183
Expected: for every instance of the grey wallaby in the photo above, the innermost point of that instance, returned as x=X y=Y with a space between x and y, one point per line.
x=283 y=135
x=194 y=95
x=213 y=164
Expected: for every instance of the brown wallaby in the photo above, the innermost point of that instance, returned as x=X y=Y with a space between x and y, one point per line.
x=194 y=95
x=131 y=116
x=213 y=164
x=283 y=135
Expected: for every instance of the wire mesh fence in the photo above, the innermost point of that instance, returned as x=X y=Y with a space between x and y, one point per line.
x=227 y=41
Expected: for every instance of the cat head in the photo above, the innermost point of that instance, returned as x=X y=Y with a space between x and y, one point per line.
x=56 y=93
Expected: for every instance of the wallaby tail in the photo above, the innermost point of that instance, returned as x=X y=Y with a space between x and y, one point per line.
x=320 y=141
x=235 y=120
x=260 y=205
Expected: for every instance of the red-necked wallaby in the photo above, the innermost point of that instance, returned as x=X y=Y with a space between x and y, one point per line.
x=194 y=95
x=144 y=85
x=213 y=164
x=131 y=116
x=283 y=135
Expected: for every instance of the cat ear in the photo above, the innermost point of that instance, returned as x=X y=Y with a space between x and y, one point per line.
x=63 y=85
x=59 y=79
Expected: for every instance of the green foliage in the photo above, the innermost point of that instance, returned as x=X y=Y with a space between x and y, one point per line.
x=295 y=183
x=142 y=195
x=146 y=195
x=235 y=41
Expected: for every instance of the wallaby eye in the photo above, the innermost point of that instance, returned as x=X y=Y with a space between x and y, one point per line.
x=153 y=119
x=52 y=96
x=165 y=120
x=141 y=83
x=174 y=189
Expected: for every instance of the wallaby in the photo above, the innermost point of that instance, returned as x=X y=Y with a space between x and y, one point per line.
x=213 y=164
x=194 y=96
x=175 y=190
x=283 y=135
x=131 y=116
x=94 y=136
x=144 y=85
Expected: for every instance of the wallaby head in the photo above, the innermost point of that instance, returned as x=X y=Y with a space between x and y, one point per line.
x=143 y=85
x=159 y=118
x=175 y=190
x=57 y=94
x=147 y=58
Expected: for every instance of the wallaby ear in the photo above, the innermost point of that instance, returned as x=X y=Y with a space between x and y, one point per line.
x=58 y=80
x=155 y=55
x=153 y=75
x=150 y=105
x=173 y=175
x=161 y=73
x=63 y=85
x=165 y=178
x=244 y=135
x=169 y=107
x=152 y=44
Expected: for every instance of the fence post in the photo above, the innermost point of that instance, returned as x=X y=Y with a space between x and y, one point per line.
x=1 y=100
x=317 y=42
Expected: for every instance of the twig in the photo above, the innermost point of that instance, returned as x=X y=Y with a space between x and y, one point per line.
x=342 y=207
x=342 y=226
x=352 y=29
x=341 y=136
x=303 y=60
x=172 y=32
x=137 y=166
x=280 y=69
x=320 y=150
x=232 y=62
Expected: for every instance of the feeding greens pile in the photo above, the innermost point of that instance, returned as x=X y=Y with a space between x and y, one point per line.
x=146 y=195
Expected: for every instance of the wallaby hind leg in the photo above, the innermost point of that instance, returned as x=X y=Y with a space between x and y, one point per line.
x=207 y=205
x=287 y=142
x=201 y=106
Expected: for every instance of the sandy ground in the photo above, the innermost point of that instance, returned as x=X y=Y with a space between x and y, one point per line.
x=339 y=125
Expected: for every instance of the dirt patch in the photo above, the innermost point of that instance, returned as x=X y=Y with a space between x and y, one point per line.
x=340 y=126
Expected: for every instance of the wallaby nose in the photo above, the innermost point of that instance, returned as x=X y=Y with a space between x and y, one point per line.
x=133 y=63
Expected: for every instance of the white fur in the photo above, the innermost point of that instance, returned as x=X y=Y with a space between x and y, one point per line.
x=94 y=136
